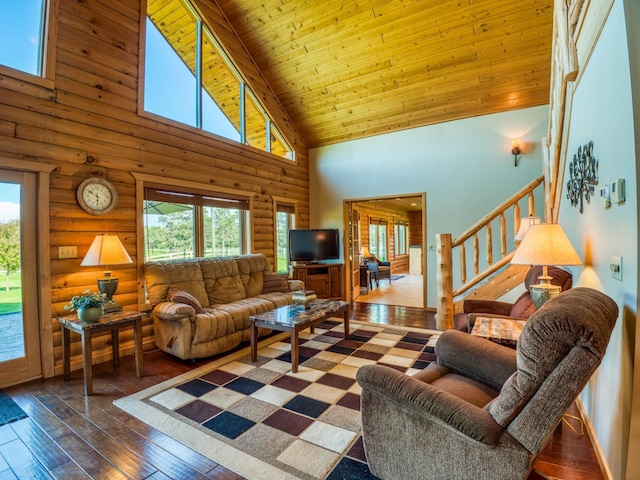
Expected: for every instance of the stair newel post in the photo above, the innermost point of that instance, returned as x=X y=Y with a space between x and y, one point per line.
x=444 y=281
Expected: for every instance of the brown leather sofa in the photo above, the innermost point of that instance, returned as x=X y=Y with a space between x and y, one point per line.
x=201 y=306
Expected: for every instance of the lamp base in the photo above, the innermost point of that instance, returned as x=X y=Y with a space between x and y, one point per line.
x=109 y=285
x=111 y=307
x=543 y=291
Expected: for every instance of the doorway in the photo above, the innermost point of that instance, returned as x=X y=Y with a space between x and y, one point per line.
x=393 y=229
x=19 y=314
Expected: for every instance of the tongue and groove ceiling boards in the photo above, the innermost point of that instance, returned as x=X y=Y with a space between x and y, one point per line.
x=351 y=69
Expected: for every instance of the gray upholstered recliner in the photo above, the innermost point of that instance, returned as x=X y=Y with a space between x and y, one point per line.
x=484 y=411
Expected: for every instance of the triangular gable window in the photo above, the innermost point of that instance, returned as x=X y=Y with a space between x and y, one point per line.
x=190 y=79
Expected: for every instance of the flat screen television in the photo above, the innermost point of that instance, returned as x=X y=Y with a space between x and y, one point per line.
x=313 y=245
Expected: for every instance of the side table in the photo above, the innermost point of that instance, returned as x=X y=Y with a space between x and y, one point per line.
x=504 y=331
x=111 y=322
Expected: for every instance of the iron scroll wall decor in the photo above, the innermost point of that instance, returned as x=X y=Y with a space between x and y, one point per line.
x=583 y=172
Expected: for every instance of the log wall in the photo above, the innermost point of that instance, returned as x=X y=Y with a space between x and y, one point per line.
x=88 y=124
x=399 y=263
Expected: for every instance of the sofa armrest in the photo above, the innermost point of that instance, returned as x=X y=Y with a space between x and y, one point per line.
x=295 y=285
x=487 y=306
x=174 y=311
x=474 y=357
x=402 y=392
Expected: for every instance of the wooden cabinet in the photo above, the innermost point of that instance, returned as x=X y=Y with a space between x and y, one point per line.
x=324 y=279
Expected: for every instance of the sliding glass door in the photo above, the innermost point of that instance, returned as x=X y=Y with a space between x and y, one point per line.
x=19 y=332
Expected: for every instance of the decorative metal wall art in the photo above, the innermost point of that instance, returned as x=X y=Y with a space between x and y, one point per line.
x=583 y=172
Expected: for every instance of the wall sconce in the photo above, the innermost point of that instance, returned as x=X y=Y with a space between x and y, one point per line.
x=515 y=150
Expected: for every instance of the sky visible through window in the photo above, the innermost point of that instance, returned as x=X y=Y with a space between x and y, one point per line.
x=170 y=88
x=9 y=201
x=20 y=30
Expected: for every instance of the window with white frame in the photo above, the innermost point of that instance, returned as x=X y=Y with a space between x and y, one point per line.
x=188 y=225
x=189 y=78
x=400 y=237
x=378 y=238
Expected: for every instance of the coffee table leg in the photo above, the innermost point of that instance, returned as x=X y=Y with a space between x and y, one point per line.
x=294 y=351
x=254 y=341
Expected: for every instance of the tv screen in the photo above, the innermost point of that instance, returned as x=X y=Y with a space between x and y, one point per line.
x=313 y=245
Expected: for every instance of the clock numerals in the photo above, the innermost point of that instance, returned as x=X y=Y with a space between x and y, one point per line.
x=97 y=196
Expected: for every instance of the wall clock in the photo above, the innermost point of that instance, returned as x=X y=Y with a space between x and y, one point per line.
x=97 y=196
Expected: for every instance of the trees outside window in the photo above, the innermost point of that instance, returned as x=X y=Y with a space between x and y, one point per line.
x=378 y=239
x=189 y=225
x=9 y=249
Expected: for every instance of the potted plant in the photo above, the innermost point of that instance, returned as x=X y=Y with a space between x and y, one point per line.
x=88 y=305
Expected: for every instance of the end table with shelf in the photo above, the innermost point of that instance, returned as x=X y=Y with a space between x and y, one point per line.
x=109 y=322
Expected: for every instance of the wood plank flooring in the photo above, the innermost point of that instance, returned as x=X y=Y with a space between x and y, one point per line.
x=68 y=435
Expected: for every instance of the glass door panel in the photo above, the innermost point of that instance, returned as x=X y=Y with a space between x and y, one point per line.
x=19 y=332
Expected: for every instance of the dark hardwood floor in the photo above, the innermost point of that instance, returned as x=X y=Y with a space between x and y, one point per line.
x=68 y=435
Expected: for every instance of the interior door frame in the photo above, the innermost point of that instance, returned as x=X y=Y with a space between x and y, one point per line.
x=40 y=294
x=349 y=255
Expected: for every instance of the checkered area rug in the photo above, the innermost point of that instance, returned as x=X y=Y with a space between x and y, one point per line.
x=264 y=422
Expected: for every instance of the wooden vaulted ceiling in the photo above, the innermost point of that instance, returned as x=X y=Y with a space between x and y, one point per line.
x=351 y=69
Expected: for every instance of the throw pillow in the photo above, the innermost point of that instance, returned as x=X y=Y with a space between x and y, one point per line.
x=275 y=282
x=176 y=295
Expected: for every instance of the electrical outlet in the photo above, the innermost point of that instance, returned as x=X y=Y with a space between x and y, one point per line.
x=67 y=252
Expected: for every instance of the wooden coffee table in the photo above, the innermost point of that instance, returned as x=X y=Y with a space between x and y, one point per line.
x=295 y=318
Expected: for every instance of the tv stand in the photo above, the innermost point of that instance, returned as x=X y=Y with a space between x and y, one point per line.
x=323 y=278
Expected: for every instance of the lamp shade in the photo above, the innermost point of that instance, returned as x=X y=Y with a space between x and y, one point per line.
x=364 y=252
x=525 y=223
x=106 y=250
x=546 y=244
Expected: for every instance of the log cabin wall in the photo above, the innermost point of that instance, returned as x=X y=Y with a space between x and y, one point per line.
x=369 y=210
x=415 y=228
x=88 y=124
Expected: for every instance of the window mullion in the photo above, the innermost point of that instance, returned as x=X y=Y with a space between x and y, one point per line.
x=199 y=74
x=198 y=225
x=243 y=120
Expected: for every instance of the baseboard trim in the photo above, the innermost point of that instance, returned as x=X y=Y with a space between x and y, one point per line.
x=604 y=468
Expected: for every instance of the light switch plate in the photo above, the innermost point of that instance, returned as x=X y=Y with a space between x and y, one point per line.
x=67 y=252
x=616 y=267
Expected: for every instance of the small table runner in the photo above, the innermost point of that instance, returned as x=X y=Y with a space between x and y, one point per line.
x=500 y=330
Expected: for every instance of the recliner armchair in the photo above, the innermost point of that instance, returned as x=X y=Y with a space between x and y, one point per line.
x=482 y=410
x=521 y=309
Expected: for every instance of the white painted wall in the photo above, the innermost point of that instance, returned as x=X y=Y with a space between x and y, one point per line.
x=602 y=111
x=465 y=167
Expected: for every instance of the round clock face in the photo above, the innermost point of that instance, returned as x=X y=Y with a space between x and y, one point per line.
x=97 y=196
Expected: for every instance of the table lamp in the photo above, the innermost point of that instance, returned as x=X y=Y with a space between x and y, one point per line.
x=545 y=244
x=107 y=250
x=525 y=223
x=365 y=254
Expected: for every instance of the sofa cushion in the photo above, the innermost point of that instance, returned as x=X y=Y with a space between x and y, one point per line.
x=184 y=274
x=176 y=295
x=222 y=280
x=252 y=269
x=275 y=282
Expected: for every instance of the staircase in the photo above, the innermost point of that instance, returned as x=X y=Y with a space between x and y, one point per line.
x=498 y=276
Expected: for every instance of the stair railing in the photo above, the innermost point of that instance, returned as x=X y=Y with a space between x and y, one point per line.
x=445 y=252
